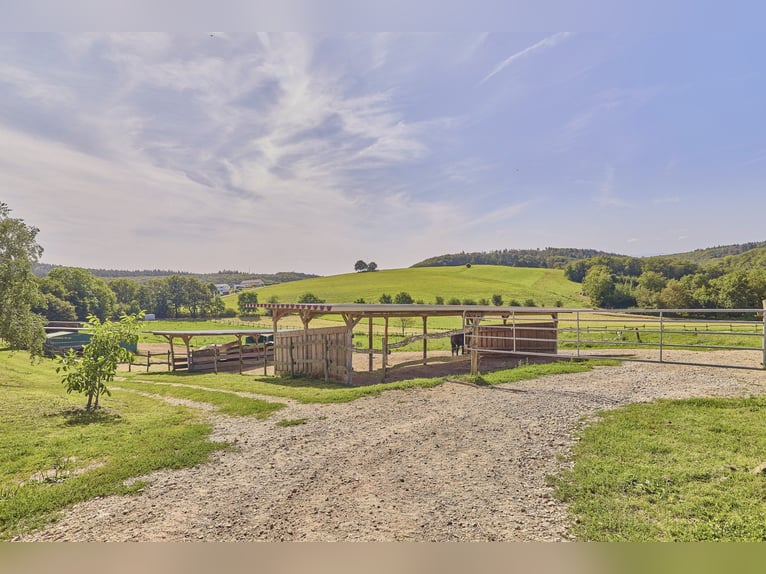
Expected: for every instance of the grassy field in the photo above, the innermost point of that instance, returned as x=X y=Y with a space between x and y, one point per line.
x=544 y=286
x=54 y=454
x=317 y=391
x=682 y=470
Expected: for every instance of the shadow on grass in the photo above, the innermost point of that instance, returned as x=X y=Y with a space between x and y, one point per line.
x=81 y=417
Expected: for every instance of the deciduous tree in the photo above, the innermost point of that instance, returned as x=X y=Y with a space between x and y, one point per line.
x=20 y=327
x=97 y=366
x=246 y=298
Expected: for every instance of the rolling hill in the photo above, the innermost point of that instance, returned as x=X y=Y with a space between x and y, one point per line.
x=546 y=287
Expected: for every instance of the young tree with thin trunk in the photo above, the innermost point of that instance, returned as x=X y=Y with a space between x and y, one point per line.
x=97 y=366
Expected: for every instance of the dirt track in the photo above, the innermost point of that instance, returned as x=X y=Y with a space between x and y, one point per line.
x=456 y=462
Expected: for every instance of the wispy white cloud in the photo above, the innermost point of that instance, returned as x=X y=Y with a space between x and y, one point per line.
x=33 y=87
x=599 y=107
x=666 y=200
x=607 y=195
x=545 y=43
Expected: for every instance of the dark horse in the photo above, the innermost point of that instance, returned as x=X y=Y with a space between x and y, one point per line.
x=458 y=342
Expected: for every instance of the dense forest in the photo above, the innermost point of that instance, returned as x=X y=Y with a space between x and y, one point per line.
x=732 y=282
x=550 y=258
x=144 y=275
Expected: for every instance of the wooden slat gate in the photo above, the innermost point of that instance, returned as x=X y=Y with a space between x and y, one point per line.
x=528 y=337
x=319 y=353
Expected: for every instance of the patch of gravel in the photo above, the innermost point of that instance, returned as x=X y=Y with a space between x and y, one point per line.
x=453 y=463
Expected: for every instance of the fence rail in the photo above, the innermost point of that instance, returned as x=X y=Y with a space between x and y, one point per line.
x=583 y=333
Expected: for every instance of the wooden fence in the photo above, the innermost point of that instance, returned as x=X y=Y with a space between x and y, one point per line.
x=538 y=337
x=149 y=359
x=229 y=358
x=325 y=353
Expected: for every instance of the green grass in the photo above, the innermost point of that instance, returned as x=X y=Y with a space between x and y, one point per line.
x=671 y=471
x=299 y=389
x=54 y=454
x=544 y=286
x=316 y=391
x=226 y=402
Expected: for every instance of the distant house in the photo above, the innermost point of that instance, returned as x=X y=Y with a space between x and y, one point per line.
x=223 y=288
x=248 y=283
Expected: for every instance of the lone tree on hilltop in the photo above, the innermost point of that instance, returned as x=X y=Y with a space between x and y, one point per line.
x=360 y=266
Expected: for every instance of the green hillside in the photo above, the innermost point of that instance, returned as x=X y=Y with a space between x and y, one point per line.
x=545 y=287
x=714 y=254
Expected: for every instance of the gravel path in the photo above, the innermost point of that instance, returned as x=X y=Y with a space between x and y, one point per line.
x=452 y=463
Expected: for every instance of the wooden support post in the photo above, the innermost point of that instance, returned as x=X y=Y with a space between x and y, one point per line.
x=215 y=358
x=326 y=358
x=349 y=356
x=369 y=346
x=292 y=360
x=172 y=352
x=763 y=358
x=148 y=360
x=186 y=340
x=385 y=350
x=425 y=340
x=474 y=346
x=239 y=340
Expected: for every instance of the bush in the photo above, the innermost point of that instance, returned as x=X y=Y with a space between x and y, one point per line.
x=529 y=303
x=309 y=298
x=453 y=301
x=403 y=298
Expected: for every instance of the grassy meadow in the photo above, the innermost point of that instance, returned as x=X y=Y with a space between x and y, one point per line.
x=680 y=470
x=54 y=454
x=544 y=286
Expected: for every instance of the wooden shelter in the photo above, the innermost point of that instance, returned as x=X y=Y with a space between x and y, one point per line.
x=227 y=356
x=544 y=334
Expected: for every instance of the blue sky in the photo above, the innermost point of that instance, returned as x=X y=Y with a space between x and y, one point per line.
x=307 y=151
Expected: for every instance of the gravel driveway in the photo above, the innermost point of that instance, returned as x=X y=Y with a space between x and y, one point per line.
x=453 y=463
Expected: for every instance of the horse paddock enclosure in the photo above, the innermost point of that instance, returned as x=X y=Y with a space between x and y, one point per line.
x=513 y=333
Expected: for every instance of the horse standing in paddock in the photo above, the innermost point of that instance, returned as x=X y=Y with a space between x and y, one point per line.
x=457 y=342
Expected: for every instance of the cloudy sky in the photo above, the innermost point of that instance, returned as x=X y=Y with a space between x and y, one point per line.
x=305 y=152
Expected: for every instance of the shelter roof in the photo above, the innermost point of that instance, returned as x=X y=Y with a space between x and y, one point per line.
x=213 y=332
x=407 y=310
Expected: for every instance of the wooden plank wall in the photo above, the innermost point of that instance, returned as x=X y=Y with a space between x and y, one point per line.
x=316 y=353
x=227 y=358
x=538 y=337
